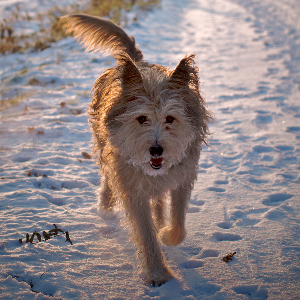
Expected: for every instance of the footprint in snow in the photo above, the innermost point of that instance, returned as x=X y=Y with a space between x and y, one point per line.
x=191 y=250
x=193 y=209
x=267 y=158
x=233 y=123
x=209 y=253
x=52 y=200
x=275 y=214
x=19 y=158
x=276 y=199
x=197 y=202
x=263 y=149
x=242 y=216
x=55 y=184
x=219 y=236
x=289 y=176
x=57 y=201
x=293 y=129
x=274 y=98
x=216 y=189
x=192 y=264
x=221 y=182
x=252 y=291
x=285 y=148
x=263 y=118
x=224 y=225
x=207 y=289
x=108 y=231
x=206 y=165
x=257 y=180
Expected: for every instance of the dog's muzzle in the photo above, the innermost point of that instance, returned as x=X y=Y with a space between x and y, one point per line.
x=156 y=160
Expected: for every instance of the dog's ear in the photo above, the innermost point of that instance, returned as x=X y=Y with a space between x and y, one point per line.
x=185 y=73
x=132 y=78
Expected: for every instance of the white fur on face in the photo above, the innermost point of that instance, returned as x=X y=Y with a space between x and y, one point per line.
x=133 y=140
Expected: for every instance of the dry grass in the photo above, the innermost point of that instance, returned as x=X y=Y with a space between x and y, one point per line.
x=50 y=30
x=9 y=102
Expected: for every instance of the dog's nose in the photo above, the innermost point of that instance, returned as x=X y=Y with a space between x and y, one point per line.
x=156 y=151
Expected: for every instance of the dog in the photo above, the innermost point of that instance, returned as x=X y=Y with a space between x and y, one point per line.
x=149 y=124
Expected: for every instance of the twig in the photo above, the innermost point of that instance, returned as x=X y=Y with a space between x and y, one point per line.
x=228 y=257
x=47 y=235
x=68 y=238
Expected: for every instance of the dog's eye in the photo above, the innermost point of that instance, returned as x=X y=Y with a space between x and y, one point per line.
x=169 y=119
x=142 y=119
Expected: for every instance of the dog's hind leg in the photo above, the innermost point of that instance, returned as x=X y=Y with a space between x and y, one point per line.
x=174 y=233
x=107 y=201
x=144 y=232
x=158 y=209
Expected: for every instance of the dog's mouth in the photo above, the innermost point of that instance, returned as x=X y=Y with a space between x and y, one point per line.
x=156 y=163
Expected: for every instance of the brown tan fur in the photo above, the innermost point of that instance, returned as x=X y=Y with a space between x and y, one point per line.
x=148 y=125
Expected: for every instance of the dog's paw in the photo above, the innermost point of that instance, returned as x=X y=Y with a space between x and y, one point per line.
x=158 y=283
x=107 y=214
x=156 y=280
x=170 y=236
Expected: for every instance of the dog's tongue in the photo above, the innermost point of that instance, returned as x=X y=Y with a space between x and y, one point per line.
x=156 y=161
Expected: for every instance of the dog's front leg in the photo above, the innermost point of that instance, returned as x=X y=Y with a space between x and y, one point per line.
x=149 y=252
x=174 y=233
x=158 y=208
x=107 y=201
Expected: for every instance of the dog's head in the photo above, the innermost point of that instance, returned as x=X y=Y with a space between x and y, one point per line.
x=154 y=115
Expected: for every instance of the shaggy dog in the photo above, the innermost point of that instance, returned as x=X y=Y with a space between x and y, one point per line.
x=148 y=126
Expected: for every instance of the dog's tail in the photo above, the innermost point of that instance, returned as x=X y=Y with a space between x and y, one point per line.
x=99 y=34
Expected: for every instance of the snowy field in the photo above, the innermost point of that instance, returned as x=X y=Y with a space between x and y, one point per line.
x=246 y=198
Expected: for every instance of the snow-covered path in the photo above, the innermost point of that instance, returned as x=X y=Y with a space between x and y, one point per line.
x=246 y=198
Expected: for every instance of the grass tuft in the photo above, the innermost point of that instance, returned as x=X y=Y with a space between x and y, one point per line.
x=9 y=102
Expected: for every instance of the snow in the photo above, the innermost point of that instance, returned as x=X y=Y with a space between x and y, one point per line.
x=246 y=198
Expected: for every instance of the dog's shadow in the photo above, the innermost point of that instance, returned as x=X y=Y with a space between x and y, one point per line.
x=112 y=223
x=182 y=259
x=185 y=263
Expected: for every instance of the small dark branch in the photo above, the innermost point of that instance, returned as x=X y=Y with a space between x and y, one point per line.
x=47 y=235
x=68 y=238
x=228 y=257
x=37 y=235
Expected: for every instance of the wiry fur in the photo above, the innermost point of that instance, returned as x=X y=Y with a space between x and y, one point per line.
x=148 y=125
